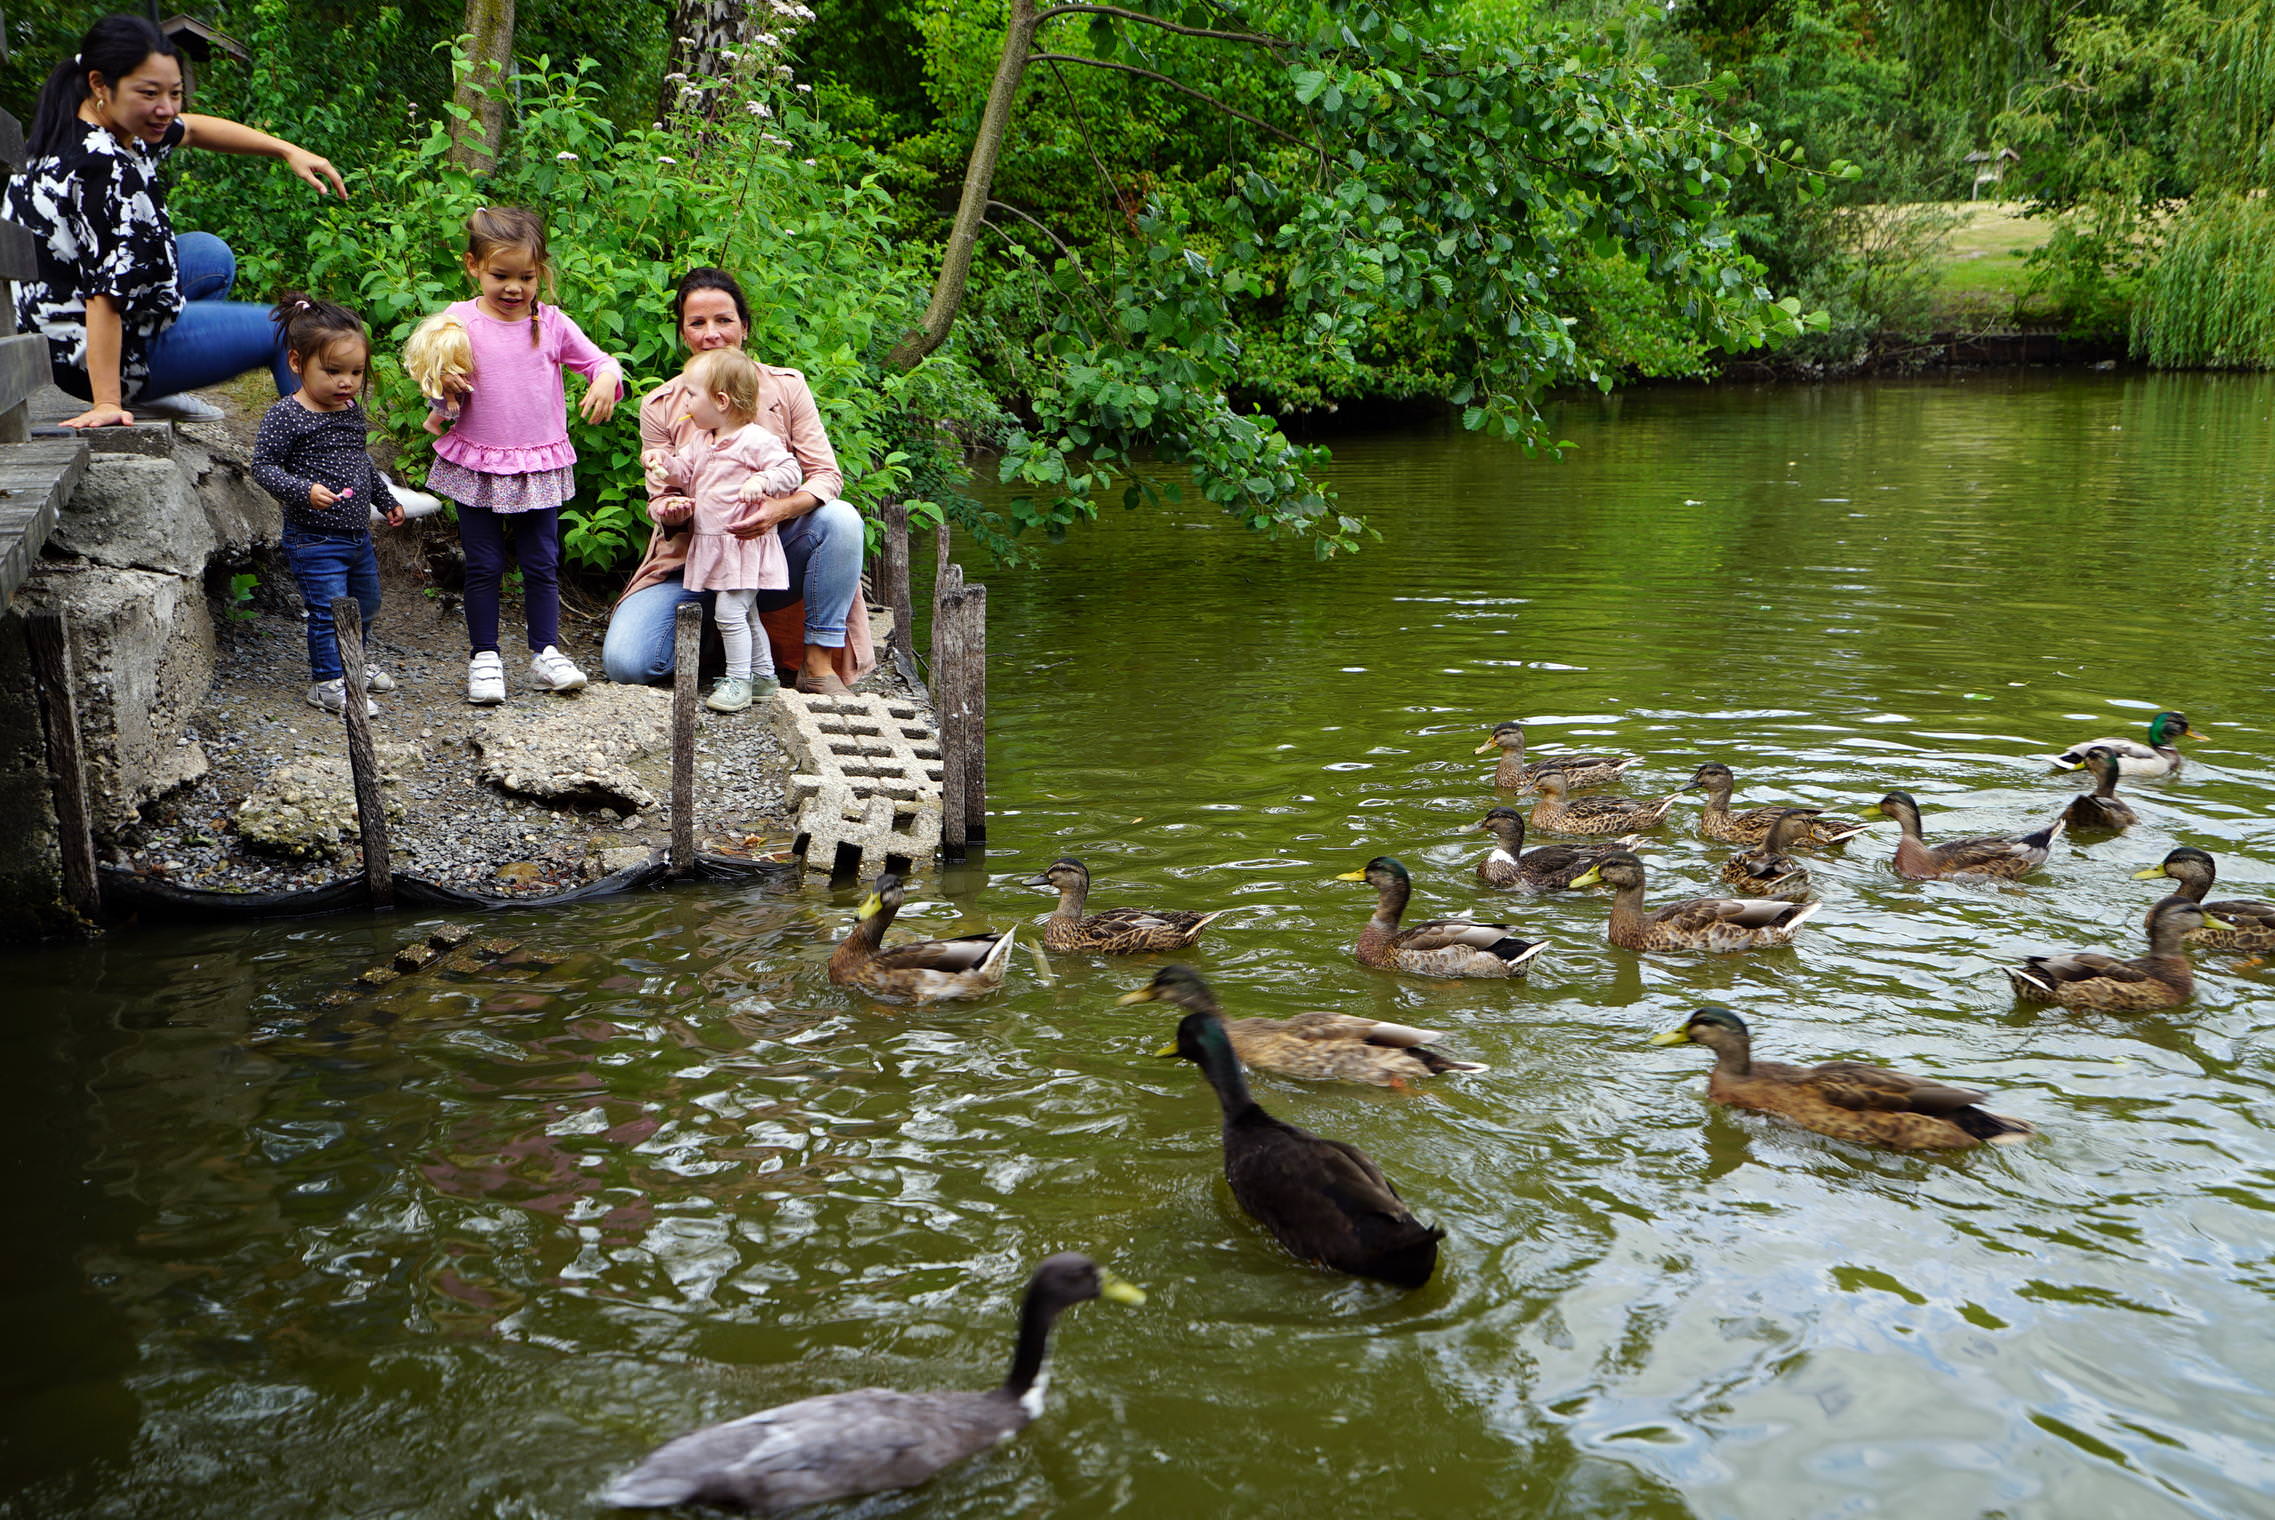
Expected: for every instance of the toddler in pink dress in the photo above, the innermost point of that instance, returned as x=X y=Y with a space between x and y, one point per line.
x=732 y=465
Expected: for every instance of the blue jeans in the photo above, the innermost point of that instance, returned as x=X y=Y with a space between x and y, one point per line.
x=214 y=338
x=824 y=551
x=326 y=566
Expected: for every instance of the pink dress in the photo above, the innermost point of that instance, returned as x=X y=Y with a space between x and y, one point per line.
x=711 y=471
x=509 y=450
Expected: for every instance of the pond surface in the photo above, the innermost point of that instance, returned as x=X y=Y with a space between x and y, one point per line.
x=468 y=1248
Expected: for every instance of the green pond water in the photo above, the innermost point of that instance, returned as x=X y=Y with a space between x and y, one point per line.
x=471 y=1247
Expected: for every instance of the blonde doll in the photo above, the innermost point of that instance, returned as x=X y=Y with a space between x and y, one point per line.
x=439 y=358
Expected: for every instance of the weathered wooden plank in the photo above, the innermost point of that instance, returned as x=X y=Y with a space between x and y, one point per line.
x=363 y=765
x=19 y=258
x=48 y=634
x=11 y=143
x=23 y=369
x=687 y=655
x=39 y=479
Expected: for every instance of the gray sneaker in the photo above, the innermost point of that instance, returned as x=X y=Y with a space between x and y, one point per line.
x=332 y=696
x=729 y=694
x=181 y=407
x=375 y=679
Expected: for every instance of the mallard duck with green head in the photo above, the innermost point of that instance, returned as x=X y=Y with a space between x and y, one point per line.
x=1716 y=821
x=1550 y=868
x=871 y=1439
x=1848 y=1100
x=1325 y=1201
x=1512 y=773
x=2101 y=808
x=2159 y=757
x=2002 y=855
x=1439 y=947
x=1717 y=925
x=1557 y=812
x=1319 y=1047
x=1114 y=931
x=919 y=971
x=1767 y=870
x=2088 y=979
x=2250 y=925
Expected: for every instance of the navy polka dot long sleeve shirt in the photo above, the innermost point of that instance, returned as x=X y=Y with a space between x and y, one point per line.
x=298 y=448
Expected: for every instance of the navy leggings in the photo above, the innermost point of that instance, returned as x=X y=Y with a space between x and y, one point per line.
x=534 y=540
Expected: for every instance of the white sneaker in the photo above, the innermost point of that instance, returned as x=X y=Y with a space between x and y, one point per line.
x=183 y=407
x=375 y=679
x=332 y=696
x=486 y=679
x=413 y=503
x=555 y=671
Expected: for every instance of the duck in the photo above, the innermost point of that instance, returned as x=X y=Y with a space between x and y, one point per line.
x=1319 y=1046
x=2089 y=979
x=1766 y=870
x=1558 y=814
x=1513 y=774
x=2252 y=923
x=1848 y=1100
x=870 y=1439
x=1716 y=924
x=2002 y=855
x=1716 y=821
x=2101 y=808
x=2158 y=757
x=1439 y=947
x=1116 y=931
x=1324 y=1200
x=920 y=971
x=1550 y=868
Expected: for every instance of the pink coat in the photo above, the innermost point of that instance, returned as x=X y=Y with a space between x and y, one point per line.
x=713 y=471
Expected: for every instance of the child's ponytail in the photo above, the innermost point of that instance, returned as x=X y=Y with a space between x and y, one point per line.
x=308 y=326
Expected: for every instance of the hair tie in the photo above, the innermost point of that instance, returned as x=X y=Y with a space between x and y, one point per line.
x=303 y=305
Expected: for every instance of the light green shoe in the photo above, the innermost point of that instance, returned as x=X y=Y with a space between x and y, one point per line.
x=729 y=694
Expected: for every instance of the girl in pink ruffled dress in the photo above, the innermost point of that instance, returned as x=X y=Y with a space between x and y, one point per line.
x=728 y=467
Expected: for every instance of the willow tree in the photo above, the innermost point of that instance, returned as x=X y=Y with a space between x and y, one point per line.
x=1394 y=181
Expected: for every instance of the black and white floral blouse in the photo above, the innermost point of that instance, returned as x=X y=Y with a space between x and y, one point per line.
x=98 y=212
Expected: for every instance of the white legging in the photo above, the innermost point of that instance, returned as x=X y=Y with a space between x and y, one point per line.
x=736 y=613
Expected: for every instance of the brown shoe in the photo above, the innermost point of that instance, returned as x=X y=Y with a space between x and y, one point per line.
x=826 y=685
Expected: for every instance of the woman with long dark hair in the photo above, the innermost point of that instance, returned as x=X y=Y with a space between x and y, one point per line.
x=130 y=312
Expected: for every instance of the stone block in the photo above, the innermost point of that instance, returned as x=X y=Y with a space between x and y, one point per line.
x=134 y=513
x=868 y=777
x=579 y=751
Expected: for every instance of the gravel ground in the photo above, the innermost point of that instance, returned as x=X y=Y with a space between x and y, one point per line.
x=455 y=829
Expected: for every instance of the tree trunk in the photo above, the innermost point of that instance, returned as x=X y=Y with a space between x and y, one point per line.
x=701 y=32
x=979 y=180
x=476 y=144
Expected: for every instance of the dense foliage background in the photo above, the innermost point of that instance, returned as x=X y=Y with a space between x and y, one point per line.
x=1210 y=215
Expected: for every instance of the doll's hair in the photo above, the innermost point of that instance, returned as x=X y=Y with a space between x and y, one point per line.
x=439 y=351
x=727 y=372
x=493 y=230
x=308 y=326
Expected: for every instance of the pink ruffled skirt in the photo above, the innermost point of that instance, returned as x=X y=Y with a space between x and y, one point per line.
x=530 y=492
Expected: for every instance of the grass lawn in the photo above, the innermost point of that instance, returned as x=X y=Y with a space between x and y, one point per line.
x=1982 y=259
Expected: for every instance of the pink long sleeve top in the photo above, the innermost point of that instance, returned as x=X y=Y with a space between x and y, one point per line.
x=516 y=422
x=712 y=473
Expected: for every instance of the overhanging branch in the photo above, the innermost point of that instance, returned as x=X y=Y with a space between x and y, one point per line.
x=1258 y=38
x=1200 y=95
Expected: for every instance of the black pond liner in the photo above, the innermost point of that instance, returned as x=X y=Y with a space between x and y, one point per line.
x=128 y=894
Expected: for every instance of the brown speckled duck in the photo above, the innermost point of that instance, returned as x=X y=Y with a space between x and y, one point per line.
x=1551 y=868
x=1115 y=931
x=2002 y=855
x=1512 y=773
x=920 y=971
x=1848 y=1100
x=1767 y=870
x=2089 y=979
x=1716 y=821
x=1713 y=924
x=2251 y=924
x=1319 y=1046
x=2101 y=808
x=1440 y=947
x=1559 y=813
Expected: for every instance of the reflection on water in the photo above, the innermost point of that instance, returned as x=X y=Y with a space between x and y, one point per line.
x=469 y=1246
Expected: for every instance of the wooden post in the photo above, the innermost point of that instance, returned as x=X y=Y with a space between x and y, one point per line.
x=370 y=806
x=971 y=692
x=947 y=708
x=687 y=656
x=892 y=585
x=48 y=633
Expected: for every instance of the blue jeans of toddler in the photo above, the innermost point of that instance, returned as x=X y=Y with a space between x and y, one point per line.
x=327 y=566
